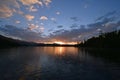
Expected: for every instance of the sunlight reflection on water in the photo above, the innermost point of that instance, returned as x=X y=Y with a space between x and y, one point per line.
x=54 y=63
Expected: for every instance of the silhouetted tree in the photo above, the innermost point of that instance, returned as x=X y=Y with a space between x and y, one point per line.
x=110 y=39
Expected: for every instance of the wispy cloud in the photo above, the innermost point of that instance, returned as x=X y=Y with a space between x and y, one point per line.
x=40 y=29
x=29 y=17
x=17 y=22
x=54 y=20
x=74 y=26
x=47 y=2
x=32 y=9
x=106 y=15
x=32 y=26
x=58 y=13
x=60 y=26
x=74 y=18
x=20 y=12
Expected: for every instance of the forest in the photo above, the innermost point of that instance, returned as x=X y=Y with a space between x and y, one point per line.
x=104 y=40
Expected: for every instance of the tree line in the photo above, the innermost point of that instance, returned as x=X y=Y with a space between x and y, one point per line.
x=110 y=40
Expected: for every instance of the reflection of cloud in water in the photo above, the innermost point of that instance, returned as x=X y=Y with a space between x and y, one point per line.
x=44 y=63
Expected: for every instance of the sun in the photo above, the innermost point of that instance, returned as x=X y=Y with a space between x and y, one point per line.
x=58 y=42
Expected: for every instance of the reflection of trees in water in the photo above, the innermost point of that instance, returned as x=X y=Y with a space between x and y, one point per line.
x=108 y=54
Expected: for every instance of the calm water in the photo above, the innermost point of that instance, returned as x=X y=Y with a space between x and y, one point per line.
x=57 y=63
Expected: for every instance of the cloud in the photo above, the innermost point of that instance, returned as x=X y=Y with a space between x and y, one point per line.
x=36 y=28
x=43 y=18
x=84 y=32
x=23 y=34
x=31 y=2
x=40 y=29
x=5 y=12
x=32 y=9
x=58 y=31
x=67 y=35
x=109 y=14
x=10 y=3
x=17 y=22
x=58 y=13
x=7 y=8
x=54 y=20
x=20 y=12
x=74 y=19
x=29 y=17
x=47 y=2
x=102 y=23
x=60 y=26
x=50 y=30
x=74 y=26
x=32 y=26
x=42 y=23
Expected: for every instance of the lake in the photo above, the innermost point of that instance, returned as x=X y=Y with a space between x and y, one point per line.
x=58 y=63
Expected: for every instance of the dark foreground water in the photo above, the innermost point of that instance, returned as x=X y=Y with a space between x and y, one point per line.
x=58 y=63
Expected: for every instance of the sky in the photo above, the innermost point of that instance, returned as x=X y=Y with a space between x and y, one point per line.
x=58 y=20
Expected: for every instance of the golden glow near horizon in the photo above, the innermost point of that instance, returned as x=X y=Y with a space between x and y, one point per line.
x=58 y=42
x=61 y=43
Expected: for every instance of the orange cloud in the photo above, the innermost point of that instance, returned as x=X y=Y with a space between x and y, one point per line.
x=31 y=2
x=5 y=12
x=47 y=2
x=20 y=12
x=32 y=9
x=29 y=17
x=10 y=3
x=43 y=18
x=7 y=8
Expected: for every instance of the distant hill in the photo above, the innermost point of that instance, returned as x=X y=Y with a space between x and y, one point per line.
x=8 y=42
x=109 y=40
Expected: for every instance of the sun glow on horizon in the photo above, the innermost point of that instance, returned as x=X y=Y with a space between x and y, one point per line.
x=58 y=42
x=66 y=43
